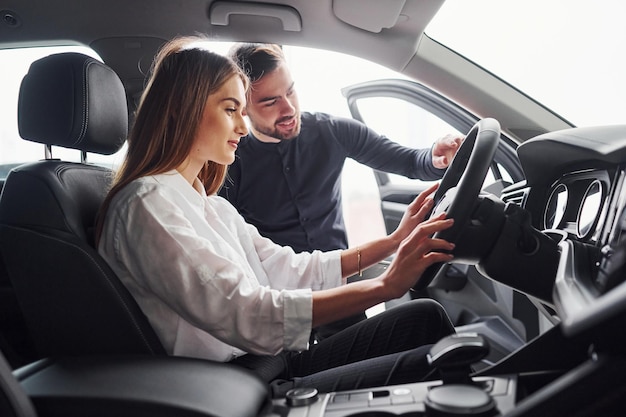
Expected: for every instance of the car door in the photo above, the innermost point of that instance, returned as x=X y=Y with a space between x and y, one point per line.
x=413 y=115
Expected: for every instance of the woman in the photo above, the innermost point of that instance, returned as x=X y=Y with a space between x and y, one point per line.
x=213 y=287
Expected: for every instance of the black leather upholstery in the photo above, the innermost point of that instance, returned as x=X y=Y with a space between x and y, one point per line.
x=125 y=386
x=131 y=386
x=74 y=101
x=72 y=302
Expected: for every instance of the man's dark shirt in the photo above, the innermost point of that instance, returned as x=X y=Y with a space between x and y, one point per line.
x=291 y=190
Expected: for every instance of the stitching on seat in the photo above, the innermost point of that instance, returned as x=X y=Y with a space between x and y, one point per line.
x=85 y=118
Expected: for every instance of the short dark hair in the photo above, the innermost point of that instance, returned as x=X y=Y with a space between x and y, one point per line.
x=257 y=59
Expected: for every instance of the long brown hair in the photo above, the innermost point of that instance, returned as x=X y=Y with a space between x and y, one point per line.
x=183 y=76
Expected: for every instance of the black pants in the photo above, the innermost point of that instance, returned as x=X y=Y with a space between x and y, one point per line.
x=387 y=349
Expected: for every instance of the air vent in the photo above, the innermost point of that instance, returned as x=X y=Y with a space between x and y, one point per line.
x=517 y=197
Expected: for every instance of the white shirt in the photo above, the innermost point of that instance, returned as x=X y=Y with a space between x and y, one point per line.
x=211 y=286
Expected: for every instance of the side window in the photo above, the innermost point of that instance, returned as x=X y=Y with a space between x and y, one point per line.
x=404 y=123
x=13 y=149
x=409 y=116
x=412 y=126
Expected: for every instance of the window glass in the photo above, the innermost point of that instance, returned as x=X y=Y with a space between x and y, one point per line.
x=404 y=123
x=506 y=176
x=13 y=149
x=565 y=54
x=412 y=126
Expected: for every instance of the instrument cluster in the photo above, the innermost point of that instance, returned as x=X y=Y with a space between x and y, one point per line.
x=577 y=203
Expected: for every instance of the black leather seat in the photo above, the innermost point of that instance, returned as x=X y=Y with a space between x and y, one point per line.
x=72 y=302
x=138 y=386
x=130 y=386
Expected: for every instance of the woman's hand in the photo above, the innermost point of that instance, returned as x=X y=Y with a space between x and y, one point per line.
x=415 y=214
x=416 y=252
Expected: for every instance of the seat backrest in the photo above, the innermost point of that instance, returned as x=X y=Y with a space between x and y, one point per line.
x=72 y=301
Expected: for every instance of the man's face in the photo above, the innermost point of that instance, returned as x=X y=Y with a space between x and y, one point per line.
x=273 y=107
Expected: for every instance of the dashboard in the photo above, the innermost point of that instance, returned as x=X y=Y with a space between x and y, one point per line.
x=559 y=237
x=575 y=191
x=577 y=203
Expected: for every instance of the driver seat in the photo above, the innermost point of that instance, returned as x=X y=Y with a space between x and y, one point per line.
x=72 y=302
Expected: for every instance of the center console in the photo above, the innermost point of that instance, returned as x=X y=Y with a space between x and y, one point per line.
x=417 y=399
x=455 y=394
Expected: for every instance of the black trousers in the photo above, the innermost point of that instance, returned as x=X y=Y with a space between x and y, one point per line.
x=387 y=349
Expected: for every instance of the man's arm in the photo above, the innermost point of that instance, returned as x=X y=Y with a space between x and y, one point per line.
x=367 y=147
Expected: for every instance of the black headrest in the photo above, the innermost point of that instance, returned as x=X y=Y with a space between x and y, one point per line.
x=73 y=101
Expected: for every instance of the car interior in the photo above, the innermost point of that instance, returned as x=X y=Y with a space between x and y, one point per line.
x=536 y=291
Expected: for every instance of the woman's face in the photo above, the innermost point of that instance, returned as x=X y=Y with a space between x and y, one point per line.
x=222 y=125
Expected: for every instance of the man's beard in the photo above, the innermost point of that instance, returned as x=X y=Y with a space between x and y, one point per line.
x=275 y=132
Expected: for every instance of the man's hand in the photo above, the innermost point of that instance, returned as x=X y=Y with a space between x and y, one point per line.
x=444 y=150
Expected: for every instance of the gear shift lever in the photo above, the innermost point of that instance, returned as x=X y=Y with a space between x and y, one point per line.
x=458 y=395
x=453 y=356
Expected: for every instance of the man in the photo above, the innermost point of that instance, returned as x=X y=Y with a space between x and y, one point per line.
x=286 y=179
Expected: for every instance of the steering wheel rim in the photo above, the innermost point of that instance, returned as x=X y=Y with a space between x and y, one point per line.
x=462 y=183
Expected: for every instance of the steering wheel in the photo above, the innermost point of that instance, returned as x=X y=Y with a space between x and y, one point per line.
x=462 y=183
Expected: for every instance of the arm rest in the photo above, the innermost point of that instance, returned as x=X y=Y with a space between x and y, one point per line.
x=142 y=385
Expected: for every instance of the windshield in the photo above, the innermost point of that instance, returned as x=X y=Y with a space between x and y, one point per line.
x=566 y=54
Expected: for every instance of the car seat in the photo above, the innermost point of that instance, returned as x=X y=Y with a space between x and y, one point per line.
x=130 y=386
x=72 y=302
